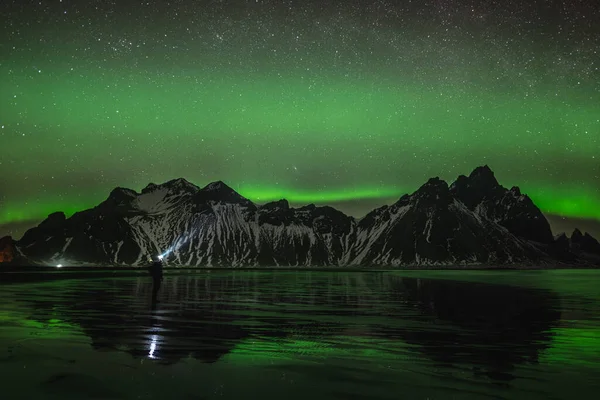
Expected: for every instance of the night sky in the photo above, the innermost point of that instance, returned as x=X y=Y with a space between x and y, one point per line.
x=347 y=103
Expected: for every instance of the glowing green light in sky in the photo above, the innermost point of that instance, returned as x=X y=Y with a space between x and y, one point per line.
x=574 y=203
x=306 y=130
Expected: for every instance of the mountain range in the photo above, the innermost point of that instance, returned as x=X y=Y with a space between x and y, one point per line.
x=474 y=221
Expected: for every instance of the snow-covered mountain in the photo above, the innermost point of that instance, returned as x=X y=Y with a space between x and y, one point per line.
x=482 y=193
x=474 y=221
x=433 y=227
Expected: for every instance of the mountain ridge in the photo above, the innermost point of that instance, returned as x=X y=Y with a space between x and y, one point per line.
x=473 y=221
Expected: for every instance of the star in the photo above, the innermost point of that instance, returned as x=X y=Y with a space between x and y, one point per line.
x=368 y=98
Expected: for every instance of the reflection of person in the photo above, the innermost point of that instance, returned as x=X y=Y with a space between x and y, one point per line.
x=156 y=271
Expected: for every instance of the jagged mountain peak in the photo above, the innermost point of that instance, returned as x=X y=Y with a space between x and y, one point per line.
x=483 y=170
x=308 y=207
x=461 y=181
x=435 y=191
x=585 y=242
x=55 y=217
x=173 y=185
x=578 y=234
x=516 y=191
x=217 y=186
x=221 y=192
x=149 y=188
x=480 y=183
x=181 y=183
x=279 y=204
x=435 y=184
x=520 y=197
x=323 y=211
x=483 y=175
x=119 y=192
x=482 y=193
x=120 y=196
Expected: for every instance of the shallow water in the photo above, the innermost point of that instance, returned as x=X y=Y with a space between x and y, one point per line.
x=305 y=334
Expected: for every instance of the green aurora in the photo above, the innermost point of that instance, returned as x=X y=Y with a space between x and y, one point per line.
x=566 y=203
x=336 y=115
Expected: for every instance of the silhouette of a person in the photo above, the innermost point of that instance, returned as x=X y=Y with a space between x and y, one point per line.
x=156 y=271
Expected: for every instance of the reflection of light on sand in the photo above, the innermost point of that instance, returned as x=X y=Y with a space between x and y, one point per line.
x=152 y=346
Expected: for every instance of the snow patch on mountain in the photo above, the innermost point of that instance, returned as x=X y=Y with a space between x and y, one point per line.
x=473 y=221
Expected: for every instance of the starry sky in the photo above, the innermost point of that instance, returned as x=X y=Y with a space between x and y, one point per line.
x=347 y=103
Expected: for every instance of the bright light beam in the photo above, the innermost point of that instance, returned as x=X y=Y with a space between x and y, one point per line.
x=174 y=247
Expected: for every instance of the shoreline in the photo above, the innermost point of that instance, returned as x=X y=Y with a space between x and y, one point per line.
x=15 y=274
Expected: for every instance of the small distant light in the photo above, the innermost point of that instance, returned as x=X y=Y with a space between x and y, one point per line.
x=59 y=266
x=160 y=257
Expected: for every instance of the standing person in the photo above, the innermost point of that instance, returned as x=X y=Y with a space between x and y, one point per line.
x=156 y=271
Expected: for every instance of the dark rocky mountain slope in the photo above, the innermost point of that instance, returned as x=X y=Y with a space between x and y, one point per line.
x=474 y=221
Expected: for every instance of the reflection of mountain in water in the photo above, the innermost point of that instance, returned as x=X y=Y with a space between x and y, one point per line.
x=189 y=321
x=192 y=319
x=496 y=326
x=491 y=327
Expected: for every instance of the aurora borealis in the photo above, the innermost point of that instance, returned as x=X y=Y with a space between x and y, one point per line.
x=346 y=103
